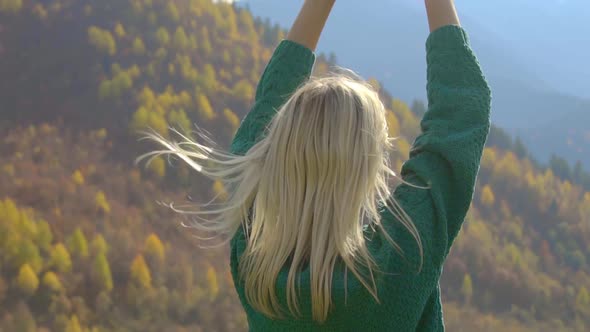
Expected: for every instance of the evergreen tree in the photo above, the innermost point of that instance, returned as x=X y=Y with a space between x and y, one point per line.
x=519 y=149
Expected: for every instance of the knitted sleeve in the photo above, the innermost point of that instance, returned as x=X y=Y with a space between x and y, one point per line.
x=290 y=66
x=446 y=155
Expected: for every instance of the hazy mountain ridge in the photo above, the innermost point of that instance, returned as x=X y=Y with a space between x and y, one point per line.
x=386 y=40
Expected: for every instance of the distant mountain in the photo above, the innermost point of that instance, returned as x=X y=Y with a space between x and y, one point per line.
x=552 y=35
x=567 y=136
x=385 y=39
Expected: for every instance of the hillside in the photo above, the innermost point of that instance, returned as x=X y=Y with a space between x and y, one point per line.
x=84 y=244
x=526 y=96
x=569 y=134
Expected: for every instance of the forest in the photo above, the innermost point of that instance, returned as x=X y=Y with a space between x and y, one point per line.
x=86 y=243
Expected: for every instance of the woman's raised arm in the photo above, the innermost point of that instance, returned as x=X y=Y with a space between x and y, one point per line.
x=310 y=22
x=447 y=154
x=441 y=13
x=289 y=67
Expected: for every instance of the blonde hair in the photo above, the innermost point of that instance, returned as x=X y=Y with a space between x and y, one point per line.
x=319 y=174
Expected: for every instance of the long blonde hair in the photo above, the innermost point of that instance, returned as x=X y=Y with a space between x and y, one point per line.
x=319 y=174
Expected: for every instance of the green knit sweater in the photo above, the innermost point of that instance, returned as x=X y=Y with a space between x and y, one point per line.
x=445 y=156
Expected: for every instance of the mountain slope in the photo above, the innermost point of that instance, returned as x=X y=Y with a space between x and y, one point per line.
x=567 y=136
x=550 y=35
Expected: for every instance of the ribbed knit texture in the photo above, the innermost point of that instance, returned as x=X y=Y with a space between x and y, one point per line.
x=445 y=156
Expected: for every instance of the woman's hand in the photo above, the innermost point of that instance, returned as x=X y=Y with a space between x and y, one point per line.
x=441 y=13
x=310 y=22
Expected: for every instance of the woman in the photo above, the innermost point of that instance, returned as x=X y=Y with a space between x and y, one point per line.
x=319 y=242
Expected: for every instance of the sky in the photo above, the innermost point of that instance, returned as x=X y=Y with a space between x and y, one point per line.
x=551 y=36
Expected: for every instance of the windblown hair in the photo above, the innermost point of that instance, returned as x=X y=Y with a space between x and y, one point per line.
x=319 y=174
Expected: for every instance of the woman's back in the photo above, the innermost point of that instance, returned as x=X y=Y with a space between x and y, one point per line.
x=319 y=241
x=445 y=157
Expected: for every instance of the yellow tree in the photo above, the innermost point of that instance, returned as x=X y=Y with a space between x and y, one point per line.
x=102 y=272
x=51 y=281
x=154 y=248
x=99 y=244
x=78 y=244
x=101 y=203
x=27 y=252
x=489 y=158
x=392 y=124
x=219 y=190
x=467 y=289
x=180 y=41
x=487 y=196
x=507 y=169
x=172 y=12
x=158 y=122
x=186 y=100
x=140 y=119
x=27 y=280
x=44 y=237
x=403 y=148
x=60 y=258
x=138 y=46
x=205 y=45
x=162 y=36
x=230 y=22
x=140 y=273
x=232 y=119
x=73 y=325
x=408 y=121
x=209 y=79
x=105 y=89
x=212 y=282
x=9 y=212
x=583 y=300
x=102 y=39
x=204 y=107
x=243 y=90
x=11 y=6
x=78 y=178
x=122 y=82
x=158 y=167
x=119 y=30
x=179 y=119
x=246 y=22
